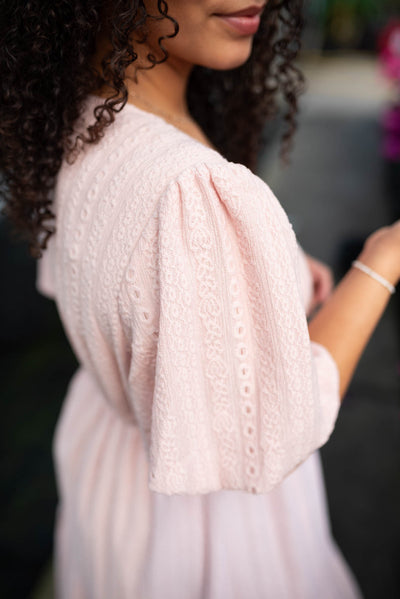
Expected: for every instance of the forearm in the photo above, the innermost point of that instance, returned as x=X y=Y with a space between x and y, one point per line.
x=346 y=322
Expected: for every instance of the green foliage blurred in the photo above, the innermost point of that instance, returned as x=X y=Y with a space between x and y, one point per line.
x=356 y=8
x=348 y=24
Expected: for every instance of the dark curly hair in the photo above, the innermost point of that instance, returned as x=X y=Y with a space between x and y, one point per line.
x=46 y=48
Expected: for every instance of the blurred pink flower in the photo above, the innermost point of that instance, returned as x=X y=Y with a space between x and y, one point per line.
x=391 y=126
x=389 y=50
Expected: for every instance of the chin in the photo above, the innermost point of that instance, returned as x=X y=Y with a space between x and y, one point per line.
x=231 y=58
x=228 y=65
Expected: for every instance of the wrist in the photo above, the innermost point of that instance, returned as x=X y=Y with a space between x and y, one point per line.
x=374 y=275
x=383 y=265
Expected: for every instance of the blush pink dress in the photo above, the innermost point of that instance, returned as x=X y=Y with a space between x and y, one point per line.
x=185 y=452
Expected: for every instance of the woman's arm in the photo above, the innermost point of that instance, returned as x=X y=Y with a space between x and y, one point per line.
x=347 y=320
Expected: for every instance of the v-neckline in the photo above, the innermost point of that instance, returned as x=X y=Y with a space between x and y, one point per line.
x=165 y=121
x=159 y=118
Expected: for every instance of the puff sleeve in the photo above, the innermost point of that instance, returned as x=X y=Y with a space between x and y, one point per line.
x=241 y=395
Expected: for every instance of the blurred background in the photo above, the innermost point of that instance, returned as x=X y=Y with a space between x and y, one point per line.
x=343 y=182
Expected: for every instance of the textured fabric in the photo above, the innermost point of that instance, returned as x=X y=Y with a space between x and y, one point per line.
x=185 y=450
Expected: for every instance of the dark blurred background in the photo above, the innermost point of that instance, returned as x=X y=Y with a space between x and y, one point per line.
x=343 y=183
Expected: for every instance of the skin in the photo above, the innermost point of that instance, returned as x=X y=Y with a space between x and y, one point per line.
x=350 y=312
x=346 y=322
x=203 y=39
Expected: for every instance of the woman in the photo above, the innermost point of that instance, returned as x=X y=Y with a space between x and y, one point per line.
x=185 y=451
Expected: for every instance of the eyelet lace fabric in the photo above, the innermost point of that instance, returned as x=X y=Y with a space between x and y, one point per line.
x=179 y=282
x=232 y=340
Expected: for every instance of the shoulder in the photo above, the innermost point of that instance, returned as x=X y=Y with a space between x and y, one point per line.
x=142 y=152
x=215 y=185
x=145 y=171
x=158 y=151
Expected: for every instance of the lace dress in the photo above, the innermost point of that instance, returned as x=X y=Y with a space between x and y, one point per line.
x=185 y=452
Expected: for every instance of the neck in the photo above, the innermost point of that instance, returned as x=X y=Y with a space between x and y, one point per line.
x=162 y=89
x=163 y=86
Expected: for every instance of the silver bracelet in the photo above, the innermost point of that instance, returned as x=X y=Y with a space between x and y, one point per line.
x=374 y=275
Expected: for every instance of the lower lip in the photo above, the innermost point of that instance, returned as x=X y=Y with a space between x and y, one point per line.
x=243 y=25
